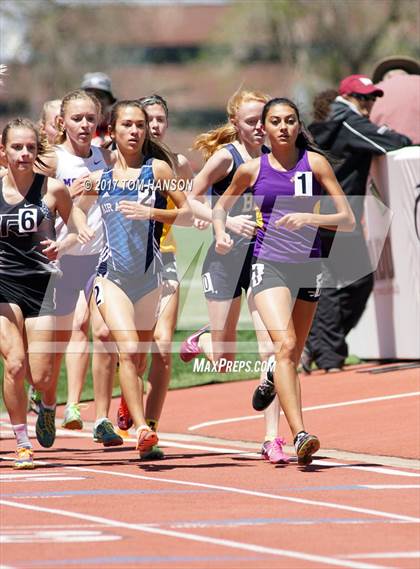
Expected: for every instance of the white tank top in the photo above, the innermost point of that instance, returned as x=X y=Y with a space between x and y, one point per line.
x=70 y=167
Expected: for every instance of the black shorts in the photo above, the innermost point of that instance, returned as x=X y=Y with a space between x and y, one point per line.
x=169 y=269
x=34 y=294
x=302 y=279
x=224 y=276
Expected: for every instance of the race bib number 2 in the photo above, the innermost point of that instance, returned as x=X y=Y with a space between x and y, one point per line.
x=303 y=184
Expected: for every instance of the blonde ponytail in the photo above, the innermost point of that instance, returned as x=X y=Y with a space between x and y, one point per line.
x=209 y=142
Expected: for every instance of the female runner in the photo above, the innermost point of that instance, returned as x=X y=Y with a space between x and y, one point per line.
x=28 y=205
x=224 y=278
x=73 y=159
x=287 y=185
x=128 y=288
x=161 y=358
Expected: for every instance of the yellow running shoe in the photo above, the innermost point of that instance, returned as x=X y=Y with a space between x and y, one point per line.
x=24 y=459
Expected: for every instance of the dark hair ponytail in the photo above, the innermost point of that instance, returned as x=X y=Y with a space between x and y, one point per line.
x=304 y=139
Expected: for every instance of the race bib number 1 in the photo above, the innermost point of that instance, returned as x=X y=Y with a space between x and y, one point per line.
x=303 y=184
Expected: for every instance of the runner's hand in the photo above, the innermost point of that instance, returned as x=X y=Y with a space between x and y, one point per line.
x=51 y=249
x=201 y=224
x=293 y=221
x=241 y=225
x=85 y=235
x=134 y=210
x=79 y=186
x=224 y=244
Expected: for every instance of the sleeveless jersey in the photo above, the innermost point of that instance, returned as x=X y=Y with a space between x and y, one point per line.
x=70 y=167
x=167 y=240
x=22 y=228
x=277 y=194
x=245 y=203
x=130 y=245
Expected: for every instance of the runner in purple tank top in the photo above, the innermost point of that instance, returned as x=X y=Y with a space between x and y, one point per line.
x=287 y=186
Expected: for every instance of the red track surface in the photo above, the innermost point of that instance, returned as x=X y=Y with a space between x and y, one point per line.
x=213 y=502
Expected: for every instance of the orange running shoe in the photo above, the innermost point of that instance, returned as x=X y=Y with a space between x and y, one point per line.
x=124 y=420
x=146 y=439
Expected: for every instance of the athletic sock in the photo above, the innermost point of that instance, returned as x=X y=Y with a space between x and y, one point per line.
x=153 y=424
x=299 y=436
x=49 y=407
x=99 y=421
x=21 y=434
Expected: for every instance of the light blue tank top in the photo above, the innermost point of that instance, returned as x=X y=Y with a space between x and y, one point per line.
x=130 y=246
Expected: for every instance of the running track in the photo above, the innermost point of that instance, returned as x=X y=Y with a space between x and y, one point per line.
x=213 y=503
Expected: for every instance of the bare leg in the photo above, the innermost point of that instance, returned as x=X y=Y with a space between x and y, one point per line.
x=286 y=338
x=12 y=349
x=104 y=363
x=224 y=316
x=161 y=366
x=265 y=348
x=122 y=319
x=77 y=353
x=40 y=336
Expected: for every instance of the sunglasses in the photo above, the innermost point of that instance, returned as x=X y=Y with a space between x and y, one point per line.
x=364 y=97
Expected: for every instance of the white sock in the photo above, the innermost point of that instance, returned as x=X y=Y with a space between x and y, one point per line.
x=99 y=421
x=49 y=407
x=21 y=434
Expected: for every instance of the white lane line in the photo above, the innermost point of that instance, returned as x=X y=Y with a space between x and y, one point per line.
x=16 y=475
x=375 y=469
x=391 y=486
x=396 y=555
x=314 y=408
x=234 y=490
x=254 y=455
x=45 y=479
x=200 y=538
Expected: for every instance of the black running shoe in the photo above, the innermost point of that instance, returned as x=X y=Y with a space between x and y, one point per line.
x=264 y=393
x=305 y=445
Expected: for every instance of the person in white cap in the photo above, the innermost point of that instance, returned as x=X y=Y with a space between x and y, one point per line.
x=99 y=84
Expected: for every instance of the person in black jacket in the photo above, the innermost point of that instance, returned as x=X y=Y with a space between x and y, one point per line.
x=350 y=140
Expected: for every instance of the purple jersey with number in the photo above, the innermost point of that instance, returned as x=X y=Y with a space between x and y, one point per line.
x=277 y=194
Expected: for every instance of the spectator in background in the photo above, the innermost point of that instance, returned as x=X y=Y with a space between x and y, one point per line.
x=351 y=140
x=99 y=84
x=322 y=104
x=399 y=108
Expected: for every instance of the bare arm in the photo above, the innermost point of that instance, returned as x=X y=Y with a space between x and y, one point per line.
x=244 y=178
x=58 y=199
x=215 y=169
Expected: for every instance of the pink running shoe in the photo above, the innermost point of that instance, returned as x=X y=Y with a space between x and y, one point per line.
x=273 y=451
x=190 y=348
x=124 y=420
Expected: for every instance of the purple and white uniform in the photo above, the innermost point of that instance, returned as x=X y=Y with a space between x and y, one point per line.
x=283 y=257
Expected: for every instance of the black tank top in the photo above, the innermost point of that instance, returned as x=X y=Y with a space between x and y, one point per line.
x=22 y=228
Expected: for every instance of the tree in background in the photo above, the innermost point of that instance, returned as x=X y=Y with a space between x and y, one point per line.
x=325 y=38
